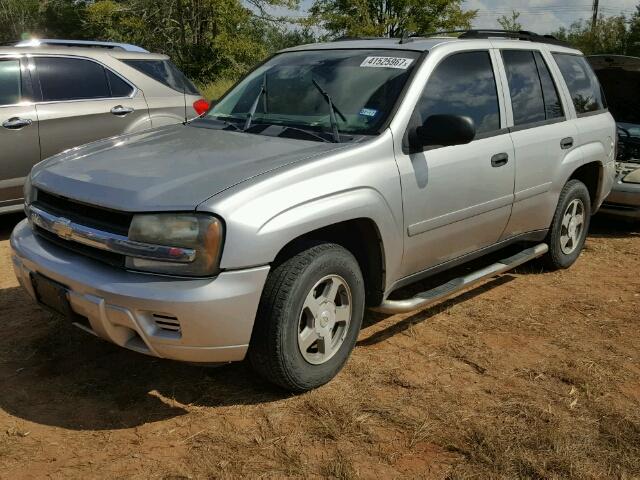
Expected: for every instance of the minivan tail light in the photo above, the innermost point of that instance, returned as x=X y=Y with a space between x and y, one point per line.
x=201 y=106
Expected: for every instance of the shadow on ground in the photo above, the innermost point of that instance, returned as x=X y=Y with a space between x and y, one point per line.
x=7 y=223
x=52 y=373
x=604 y=226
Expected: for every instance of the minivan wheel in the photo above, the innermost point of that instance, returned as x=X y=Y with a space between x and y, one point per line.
x=309 y=317
x=569 y=227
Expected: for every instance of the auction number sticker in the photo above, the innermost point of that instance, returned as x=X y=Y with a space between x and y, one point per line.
x=387 y=62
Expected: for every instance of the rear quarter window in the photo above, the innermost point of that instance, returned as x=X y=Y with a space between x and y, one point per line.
x=166 y=73
x=582 y=82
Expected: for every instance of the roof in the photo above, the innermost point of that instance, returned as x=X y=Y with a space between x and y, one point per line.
x=90 y=52
x=37 y=42
x=421 y=44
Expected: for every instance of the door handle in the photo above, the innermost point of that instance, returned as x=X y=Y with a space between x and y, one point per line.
x=566 y=143
x=121 y=111
x=16 y=123
x=499 y=160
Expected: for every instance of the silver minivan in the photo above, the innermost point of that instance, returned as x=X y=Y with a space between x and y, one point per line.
x=55 y=95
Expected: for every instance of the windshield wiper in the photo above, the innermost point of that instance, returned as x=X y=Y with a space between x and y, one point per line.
x=332 y=111
x=254 y=106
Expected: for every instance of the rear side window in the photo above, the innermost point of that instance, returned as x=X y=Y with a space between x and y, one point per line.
x=71 y=79
x=10 y=82
x=64 y=78
x=583 y=84
x=463 y=84
x=524 y=86
x=552 y=104
x=533 y=94
x=166 y=73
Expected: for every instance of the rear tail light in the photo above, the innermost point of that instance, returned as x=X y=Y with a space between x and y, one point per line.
x=201 y=106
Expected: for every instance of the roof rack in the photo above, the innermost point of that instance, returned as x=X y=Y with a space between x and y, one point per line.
x=510 y=34
x=37 y=42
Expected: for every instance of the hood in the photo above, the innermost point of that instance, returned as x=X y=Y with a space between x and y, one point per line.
x=171 y=168
x=620 y=79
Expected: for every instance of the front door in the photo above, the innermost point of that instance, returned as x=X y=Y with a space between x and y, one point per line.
x=458 y=199
x=18 y=132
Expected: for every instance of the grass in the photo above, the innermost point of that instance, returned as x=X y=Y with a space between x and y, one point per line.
x=214 y=90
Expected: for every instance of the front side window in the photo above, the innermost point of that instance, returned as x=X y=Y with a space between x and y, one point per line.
x=363 y=86
x=582 y=83
x=71 y=79
x=10 y=82
x=463 y=84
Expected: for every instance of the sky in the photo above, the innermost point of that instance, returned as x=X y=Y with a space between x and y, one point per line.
x=544 y=16
x=541 y=16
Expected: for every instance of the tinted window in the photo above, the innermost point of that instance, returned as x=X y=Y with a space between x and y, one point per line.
x=166 y=73
x=582 y=82
x=10 y=82
x=463 y=84
x=524 y=86
x=71 y=79
x=119 y=88
x=552 y=104
x=364 y=86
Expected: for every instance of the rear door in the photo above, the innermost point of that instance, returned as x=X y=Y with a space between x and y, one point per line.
x=82 y=101
x=542 y=136
x=20 y=149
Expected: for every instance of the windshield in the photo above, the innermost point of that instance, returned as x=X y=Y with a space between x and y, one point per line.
x=361 y=85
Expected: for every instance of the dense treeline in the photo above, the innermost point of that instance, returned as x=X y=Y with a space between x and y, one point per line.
x=218 y=40
x=221 y=39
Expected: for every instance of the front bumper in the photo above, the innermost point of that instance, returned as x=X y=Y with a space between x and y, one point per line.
x=624 y=201
x=209 y=320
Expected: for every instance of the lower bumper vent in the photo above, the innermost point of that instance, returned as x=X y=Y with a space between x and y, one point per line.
x=166 y=323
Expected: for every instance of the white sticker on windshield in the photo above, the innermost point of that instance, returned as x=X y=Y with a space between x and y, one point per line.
x=387 y=62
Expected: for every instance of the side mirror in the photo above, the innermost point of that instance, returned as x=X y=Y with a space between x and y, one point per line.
x=445 y=131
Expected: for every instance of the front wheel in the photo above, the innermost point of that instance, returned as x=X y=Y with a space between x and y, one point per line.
x=309 y=318
x=569 y=227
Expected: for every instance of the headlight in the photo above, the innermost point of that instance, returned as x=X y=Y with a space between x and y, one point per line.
x=633 y=177
x=201 y=232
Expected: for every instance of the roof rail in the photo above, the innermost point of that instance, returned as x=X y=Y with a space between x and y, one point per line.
x=37 y=42
x=346 y=38
x=510 y=34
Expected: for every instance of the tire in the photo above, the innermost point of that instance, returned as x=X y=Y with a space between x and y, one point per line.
x=290 y=315
x=562 y=253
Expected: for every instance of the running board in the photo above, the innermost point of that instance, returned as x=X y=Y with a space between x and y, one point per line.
x=452 y=287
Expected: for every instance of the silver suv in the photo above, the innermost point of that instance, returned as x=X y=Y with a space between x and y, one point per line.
x=331 y=176
x=57 y=94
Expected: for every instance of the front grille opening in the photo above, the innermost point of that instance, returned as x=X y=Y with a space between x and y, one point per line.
x=110 y=258
x=166 y=323
x=89 y=215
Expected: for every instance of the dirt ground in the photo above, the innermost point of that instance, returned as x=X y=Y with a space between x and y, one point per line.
x=531 y=375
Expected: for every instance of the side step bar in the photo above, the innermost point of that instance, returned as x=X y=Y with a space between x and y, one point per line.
x=452 y=287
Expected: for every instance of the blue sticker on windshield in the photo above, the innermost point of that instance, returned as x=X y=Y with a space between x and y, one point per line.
x=368 y=112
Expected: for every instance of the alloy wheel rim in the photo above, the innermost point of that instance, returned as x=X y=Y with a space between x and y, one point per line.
x=572 y=227
x=325 y=319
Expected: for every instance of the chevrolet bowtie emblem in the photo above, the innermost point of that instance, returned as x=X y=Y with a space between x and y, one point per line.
x=62 y=228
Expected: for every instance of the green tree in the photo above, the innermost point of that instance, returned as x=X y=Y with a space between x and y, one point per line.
x=389 y=18
x=610 y=35
x=206 y=38
x=633 y=41
x=18 y=19
x=511 y=23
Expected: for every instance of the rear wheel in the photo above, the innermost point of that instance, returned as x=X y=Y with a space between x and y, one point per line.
x=569 y=227
x=309 y=318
